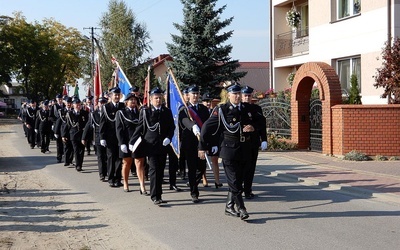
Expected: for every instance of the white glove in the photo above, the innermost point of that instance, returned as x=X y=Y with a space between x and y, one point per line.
x=56 y=136
x=166 y=142
x=124 y=148
x=196 y=130
x=264 y=145
x=214 y=150
x=131 y=147
x=36 y=131
x=103 y=143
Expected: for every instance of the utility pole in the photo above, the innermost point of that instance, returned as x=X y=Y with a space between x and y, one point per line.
x=92 y=40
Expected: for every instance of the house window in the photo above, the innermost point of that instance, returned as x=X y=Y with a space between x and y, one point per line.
x=346 y=68
x=347 y=8
x=302 y=30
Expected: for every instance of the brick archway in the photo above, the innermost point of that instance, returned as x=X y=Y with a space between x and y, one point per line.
x=330 y=94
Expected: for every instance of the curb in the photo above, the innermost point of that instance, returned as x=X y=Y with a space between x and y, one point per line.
x=326 y=185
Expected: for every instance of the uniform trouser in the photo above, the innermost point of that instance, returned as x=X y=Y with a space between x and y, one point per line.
x=196 y=169
x=114 y=163
x=31 y=137
x=156 y=174
x=68 y=152
x=101 y=153
x=60 y=148
x=234 y=172
x=249 y=171
x=172 y=165
x=45 y=137
x=88 y=144
x=79 y=152
x=182 y=163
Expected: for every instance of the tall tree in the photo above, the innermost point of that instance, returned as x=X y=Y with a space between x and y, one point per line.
x=41 y=56
x=200 y=54
x=124 y=38
x=388 y=76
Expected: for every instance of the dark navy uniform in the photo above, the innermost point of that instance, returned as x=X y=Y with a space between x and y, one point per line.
x=29 y=121
x=54 y=116
x=43 y=126
x=229 y=121
x=258 y=136
x=59 y=127
x=126 y=122
x=155 y=127
x=76 y=122
x=193 y=115
x=108 y=133
x=93 y=127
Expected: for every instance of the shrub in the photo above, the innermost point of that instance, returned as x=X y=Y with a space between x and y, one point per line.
x=277 y=142
x=356 y=156
x=380 y=158
x=394 y=158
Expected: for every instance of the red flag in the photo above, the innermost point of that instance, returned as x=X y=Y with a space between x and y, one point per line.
x=146 y=100
x=97 y=82
x=65 y=91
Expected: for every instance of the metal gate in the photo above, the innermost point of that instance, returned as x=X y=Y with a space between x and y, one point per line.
x=316 y=125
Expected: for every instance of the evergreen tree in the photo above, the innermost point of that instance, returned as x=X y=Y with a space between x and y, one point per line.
x=124 y=38
x=199 y=53
x=354 y=97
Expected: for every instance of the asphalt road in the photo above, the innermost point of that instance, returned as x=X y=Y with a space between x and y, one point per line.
x=285 y=215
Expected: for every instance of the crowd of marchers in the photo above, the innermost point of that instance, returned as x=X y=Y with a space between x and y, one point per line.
x=129 y=137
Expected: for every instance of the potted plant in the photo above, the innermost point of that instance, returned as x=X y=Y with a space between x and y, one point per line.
x=293 y=17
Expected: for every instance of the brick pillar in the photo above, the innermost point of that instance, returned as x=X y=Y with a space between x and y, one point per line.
x=330 y=94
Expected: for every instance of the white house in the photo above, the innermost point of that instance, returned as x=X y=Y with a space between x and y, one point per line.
x=349 y=35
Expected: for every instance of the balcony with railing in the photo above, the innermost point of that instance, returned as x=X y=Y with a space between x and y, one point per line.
x=292 y=43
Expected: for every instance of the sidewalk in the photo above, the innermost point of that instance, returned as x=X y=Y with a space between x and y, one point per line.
x=368 y=179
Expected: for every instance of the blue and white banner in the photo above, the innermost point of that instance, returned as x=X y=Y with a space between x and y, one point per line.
x=175 y=101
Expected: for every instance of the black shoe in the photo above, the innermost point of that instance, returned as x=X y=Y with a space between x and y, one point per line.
x=243 y=214
x=231 y=212
x=79 y=168
x=195 y=199
x=143 y=193
x=118 y=184
x=175 y=188
x=217 y=185
x=102 y=178
x=205 y=184
x=157 y=202
x=249 y=196
x=66 y=164
x=112 y=184
x=58 y=161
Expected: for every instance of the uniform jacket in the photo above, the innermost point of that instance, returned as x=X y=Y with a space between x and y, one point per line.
x=93 y=125
x=228 y=122
x=186 y=124
x=154 y=126
x=61 y=121
x=107 y=122
x=43 y=122
x=30 y=116
x=75 y=125
x=126 y=123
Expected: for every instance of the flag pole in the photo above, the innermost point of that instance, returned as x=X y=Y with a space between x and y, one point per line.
x=188 y=113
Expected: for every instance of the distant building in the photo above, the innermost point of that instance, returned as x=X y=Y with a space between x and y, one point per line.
x=257 y=75
x=12 y=95
x=349 y=35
